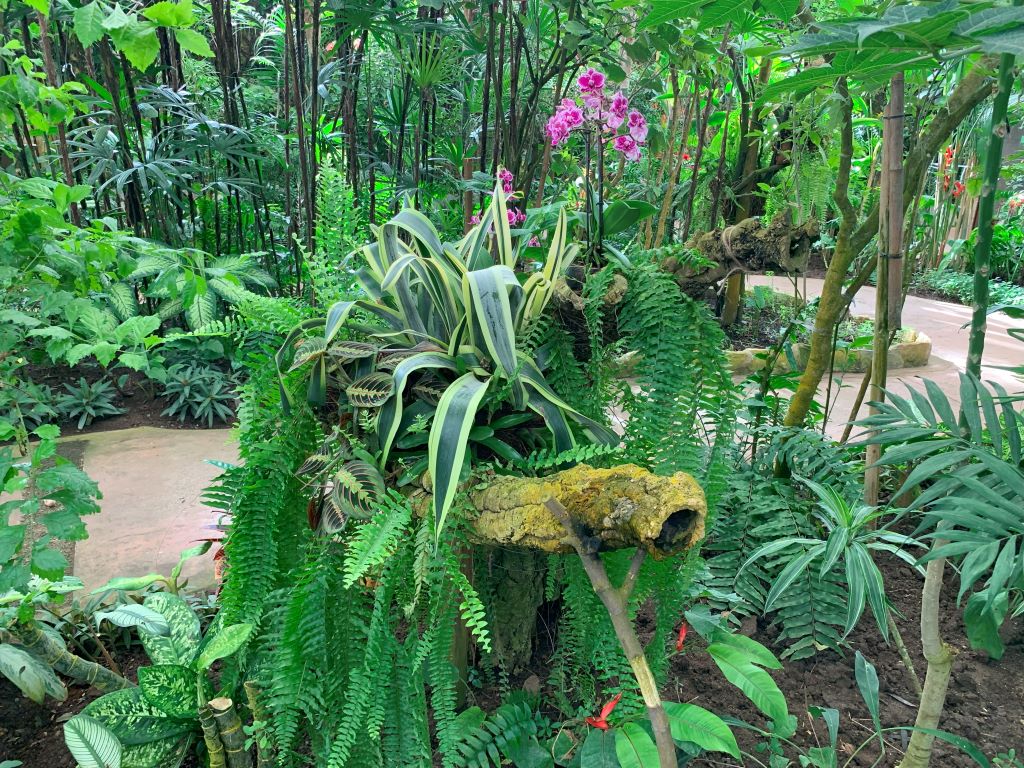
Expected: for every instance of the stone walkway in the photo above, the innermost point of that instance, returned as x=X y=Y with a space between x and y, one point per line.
x=152 y=479
x=946 y=325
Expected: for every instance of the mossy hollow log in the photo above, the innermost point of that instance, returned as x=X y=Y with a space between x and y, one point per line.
x=622 y=507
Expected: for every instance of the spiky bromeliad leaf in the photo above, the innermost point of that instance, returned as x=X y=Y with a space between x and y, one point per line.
x=371 y=391
x=357 y=487
x=390 y=417
x=449 y=436
x=91 y=744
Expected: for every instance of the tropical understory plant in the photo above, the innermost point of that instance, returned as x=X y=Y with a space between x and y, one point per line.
x=460 y=314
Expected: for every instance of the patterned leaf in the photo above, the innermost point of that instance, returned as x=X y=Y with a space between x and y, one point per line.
x=91 y=744
x=181 y=644
x=357 y=486
x=224 y=643
x=165 y=753
x=351 y=350
x=133 y=720
x=310 y=349
x=371 y=391
x=171 y=688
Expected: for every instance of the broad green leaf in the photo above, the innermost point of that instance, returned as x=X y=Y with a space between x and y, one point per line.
x=705 y=729
x=623 y=214
x=669 y=10
x=449 y=435
x=193 y=42
x=138 y=42
x=128 y=583
x=197 y=551
x=171 y=688
x=170 y=14
x=32 y=677
x=133 y=615
x=91 y=743
x=598 y=751
x=226 y=642
x=88 y=21
x=635 y=748
x=983 y=622
x=756 y=684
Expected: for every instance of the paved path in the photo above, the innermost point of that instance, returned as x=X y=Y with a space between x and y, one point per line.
x=151 y=480
x=944 y=323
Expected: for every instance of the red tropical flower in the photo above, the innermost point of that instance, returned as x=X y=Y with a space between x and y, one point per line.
x=958 y=188
x=683 y=629
x=601 y=721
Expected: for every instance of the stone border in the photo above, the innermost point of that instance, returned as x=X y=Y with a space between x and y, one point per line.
x=913 y=352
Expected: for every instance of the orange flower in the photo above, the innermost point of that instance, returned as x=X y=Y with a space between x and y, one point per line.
x=601 y=721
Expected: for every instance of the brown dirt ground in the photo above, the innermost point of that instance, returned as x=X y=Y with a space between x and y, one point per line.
x=985 y=702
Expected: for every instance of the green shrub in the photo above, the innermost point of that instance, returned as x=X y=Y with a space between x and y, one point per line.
x=87 y=402
x=200 y=393
x=959 y=287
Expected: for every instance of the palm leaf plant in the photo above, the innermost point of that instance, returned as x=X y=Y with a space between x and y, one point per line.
x=189 y=280
x=850 y=533
x=440 y=341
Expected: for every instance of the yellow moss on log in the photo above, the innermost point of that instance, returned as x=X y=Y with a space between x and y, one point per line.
x=625 y=506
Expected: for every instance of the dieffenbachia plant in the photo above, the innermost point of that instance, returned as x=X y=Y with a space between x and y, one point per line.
x=438 y=340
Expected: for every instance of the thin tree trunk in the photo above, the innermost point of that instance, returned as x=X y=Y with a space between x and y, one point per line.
x=616 y=602
x=939 y=656
x=852 y=239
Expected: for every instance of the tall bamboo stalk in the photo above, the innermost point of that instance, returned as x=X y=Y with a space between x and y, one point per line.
x=986 y=211
x=889 y=271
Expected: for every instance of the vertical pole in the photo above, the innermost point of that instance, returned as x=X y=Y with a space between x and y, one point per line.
x=467 y=194
x=986 y=211
x=889 y=272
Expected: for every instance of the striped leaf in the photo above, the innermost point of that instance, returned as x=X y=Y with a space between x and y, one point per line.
x=351 y=350
x=357 y=487
x=487 y=292
x=91 y=744
x=449 y=435
x=371 y=391
x=309 y=350
x=391 y=413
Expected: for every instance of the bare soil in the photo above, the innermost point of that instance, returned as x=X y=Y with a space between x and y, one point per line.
x=137 y=398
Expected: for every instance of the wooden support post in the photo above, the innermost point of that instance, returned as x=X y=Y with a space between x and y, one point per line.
x=889 y=273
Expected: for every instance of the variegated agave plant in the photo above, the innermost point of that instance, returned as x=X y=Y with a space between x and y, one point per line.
x=442 y=367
